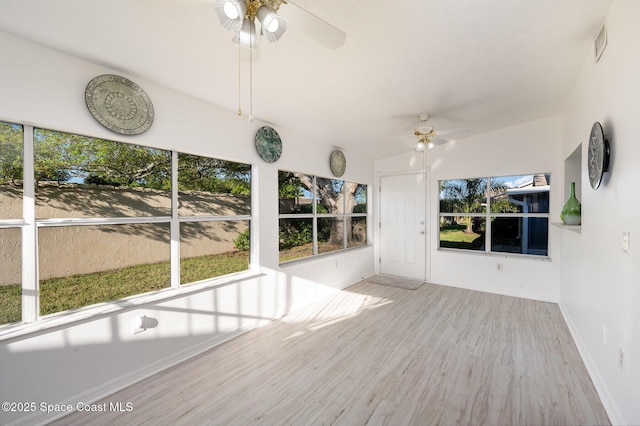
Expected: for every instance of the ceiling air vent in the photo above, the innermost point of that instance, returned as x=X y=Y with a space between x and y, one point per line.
x=600 y=42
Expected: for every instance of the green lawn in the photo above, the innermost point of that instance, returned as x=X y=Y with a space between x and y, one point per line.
x=304 y=250
x=453 y=236
x=75 y=291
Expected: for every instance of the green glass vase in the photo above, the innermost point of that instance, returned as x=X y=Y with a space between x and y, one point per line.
x=572 y=210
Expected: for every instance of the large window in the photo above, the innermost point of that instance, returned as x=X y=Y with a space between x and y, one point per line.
x=11 y=221
x=107 y=217
x=319 y=215
x=214 y=207
x=506 y=214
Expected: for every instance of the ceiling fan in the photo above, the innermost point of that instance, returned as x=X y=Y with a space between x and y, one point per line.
x=240 y=16
x=425 y=136
x=274 y=17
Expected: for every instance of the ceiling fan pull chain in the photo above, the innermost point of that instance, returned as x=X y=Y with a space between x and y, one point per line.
x=250 y=84
x=239 y=112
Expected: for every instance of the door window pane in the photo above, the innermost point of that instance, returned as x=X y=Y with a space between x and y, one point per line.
x=11 y=171
x=208 y=186
x=10 y=275
x=82 y=177
x=84 y=265
x=212 y=249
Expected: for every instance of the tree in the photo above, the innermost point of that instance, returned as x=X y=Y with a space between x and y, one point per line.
x=11 y=153
x=64 y=157
x=198 y=173
x=467 y=196
x=332 y=195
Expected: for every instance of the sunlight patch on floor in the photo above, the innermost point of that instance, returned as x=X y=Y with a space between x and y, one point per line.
x=344 y=306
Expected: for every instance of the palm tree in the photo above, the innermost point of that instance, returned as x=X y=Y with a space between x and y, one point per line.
x=468 y=196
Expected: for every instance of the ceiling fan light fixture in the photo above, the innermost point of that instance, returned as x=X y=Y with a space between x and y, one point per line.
x=231 y=13
x=431 y=145
x=231 y=10
x=246 y=37
x=420 y=146
x=268 y=18
x=273 y=25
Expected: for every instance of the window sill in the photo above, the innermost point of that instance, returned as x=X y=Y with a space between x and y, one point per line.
x=574 y=228
x=497 y=254
x=65 y=318
x=321 y=256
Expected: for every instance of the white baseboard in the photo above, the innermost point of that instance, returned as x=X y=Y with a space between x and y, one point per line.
x=608 y=402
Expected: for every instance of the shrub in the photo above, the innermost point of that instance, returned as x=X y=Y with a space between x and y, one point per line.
x=295 y=234
x=243 y=241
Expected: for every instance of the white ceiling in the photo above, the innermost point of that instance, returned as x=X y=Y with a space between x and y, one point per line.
x=482 y=65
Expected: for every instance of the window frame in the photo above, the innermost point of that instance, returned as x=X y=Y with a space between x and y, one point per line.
x=315 y=216
x=487 y=215
x=31 y=319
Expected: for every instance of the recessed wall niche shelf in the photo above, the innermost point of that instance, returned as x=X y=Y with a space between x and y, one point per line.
x=572 y=173
x=574 y=228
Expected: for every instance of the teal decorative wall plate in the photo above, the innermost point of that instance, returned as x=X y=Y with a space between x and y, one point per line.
x=268 y=144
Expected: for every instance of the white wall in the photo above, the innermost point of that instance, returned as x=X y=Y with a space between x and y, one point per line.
x=600 y=284
x=528 y=148
x=92 y=357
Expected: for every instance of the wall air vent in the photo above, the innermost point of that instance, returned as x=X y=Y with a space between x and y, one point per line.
x=600 y=42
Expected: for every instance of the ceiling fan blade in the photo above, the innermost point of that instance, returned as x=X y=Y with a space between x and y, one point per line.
x=311 y=25
x=437 y=140
x=166 y=2
x=453 y=131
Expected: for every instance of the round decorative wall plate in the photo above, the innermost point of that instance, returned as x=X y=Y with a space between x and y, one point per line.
x=268 y=144
x=119 y=104
x=338 y=163
x=598 y=156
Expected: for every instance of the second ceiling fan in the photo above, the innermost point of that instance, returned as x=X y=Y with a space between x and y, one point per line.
x=426 y=137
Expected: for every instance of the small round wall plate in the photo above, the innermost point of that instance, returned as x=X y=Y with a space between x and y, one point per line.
x=268 y=144
x=119 y=104
x=338 y=163
x=598 y=156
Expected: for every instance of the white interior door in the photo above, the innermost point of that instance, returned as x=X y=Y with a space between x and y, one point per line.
x=402 y=226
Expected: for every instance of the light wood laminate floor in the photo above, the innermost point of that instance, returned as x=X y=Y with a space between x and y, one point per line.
x=374 y=355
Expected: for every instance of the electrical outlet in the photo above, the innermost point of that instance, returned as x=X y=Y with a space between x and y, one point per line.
x=621 y=358
x=626 y=240
x=498 y=266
